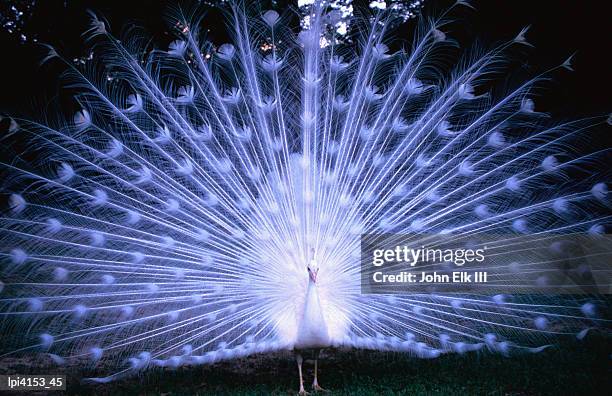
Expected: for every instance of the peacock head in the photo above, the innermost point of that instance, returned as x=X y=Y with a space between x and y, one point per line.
x=313 y=270
x=313 y=267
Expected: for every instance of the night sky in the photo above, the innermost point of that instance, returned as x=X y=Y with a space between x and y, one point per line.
x=558 y=28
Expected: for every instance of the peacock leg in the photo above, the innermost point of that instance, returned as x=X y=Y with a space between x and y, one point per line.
x=315 y=383
x=299 y=359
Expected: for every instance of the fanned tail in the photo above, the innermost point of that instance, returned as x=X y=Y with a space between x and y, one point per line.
x=168 y=219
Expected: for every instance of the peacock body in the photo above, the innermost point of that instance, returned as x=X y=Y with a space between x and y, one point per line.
x=168 y=219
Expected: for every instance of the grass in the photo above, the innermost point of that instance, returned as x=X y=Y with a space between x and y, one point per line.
x=572 y=368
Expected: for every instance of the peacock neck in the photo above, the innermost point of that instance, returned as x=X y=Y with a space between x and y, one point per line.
x=312 y=332
x=312 y=295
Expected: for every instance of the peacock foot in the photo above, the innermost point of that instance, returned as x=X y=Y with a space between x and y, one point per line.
x=317 y=388
x=303 y=393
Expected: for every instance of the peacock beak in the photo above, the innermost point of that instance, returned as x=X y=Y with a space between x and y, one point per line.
x=313 y=275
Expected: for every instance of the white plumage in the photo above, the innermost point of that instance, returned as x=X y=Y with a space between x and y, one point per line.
x=312 y=330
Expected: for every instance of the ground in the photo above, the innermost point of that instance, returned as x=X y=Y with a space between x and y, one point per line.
x=572 y=368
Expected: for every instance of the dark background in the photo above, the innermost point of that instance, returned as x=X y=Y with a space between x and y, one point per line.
x=558 y=29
